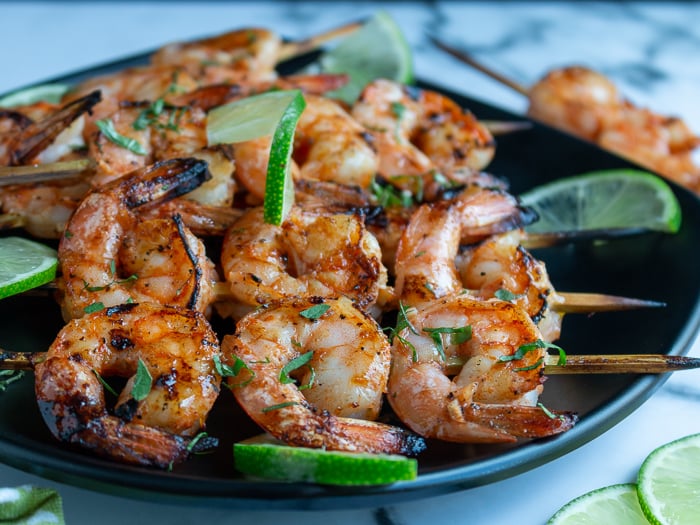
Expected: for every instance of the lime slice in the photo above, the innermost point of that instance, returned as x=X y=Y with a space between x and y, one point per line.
x=669 y=482
x=377 y=50
x=605 y=199
x=46 y=92
x=267 y=458
x=274 y=113
x=24 y=264
x=616 y=504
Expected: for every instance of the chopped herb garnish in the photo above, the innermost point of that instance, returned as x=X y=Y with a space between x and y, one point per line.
x=104 y=383
x=142 y=383
x=529 y=347
x=107 y=128
x=399 y=110
x=549 y=413
x=402 y=322
x=94 y=307
x=506 y=295
x=8 y=377
x=278 y=406
x=295 y=364
x=149 y=115
x=113 y=270
x=388 y=196
x=457 y=335
x=315 y=311
x=225 y=370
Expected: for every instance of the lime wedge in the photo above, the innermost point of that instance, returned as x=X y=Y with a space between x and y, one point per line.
x=668 y=484
x=24 y=264
x=377 y=50
x=274 y=113
x=45 y=92
x=616 y=504
x=267 y=458
x=605 y=199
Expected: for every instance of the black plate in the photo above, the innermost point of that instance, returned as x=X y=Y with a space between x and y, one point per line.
x=654 y=266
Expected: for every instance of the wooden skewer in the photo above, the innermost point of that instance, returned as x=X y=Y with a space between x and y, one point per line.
x=468 y=59
x=504 y=127
x=50 y=172
x=300 y=47
x=574 y=302
x=575 y=364
x=571 y=302
x=619 y=364
x=20 y=360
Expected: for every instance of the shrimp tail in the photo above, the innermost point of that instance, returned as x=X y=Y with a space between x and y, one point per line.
x=37 y=136
x=388 y=438
x=512 y=422
x=165 y=180
x=134 y=444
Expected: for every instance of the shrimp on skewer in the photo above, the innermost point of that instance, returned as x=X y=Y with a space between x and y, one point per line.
x=418 y=132
x=29 y=138
x=500 y=267
x=493 y=397
x=427 y=250
x=107 y=258
x=152 y=428
x=315 y=382
x=314 y=253
x=586 y=103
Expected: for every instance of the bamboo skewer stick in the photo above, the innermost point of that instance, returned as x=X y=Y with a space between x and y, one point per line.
x=619 y=364
x=468 y=59
x=576 y=302
x=51 y=172
x=572 y=302
x=575 y=364
x=300 y=47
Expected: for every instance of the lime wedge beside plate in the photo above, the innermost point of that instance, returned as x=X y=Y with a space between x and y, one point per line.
x=604 y=200
x=616 y=504
x=668 y=483
x=25 y=264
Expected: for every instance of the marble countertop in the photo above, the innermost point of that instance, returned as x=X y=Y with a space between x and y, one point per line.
x=650 y=50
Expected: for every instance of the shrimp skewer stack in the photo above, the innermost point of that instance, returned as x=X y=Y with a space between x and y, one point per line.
x=308 y=360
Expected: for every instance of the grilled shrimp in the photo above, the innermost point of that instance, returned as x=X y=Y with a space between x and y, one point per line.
x=419 y=132
x=312 y=254
x=330 y=145
x=249 y=55
x=176 y=346
x=107 y=258
x=493 y=396
x=500 y=266
x=50 y=135
x=427 y=251
x=586 y=103
x=315 y=380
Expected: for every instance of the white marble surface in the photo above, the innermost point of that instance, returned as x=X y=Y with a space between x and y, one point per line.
x=652 y=50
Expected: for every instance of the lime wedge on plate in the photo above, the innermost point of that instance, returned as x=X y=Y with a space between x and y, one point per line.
x=267 y=458
x=24 y=264
x=46 y=92
x=274 y=113
x=668 y=484
x=616 y=504
x=377 y=50
x=604 y=199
